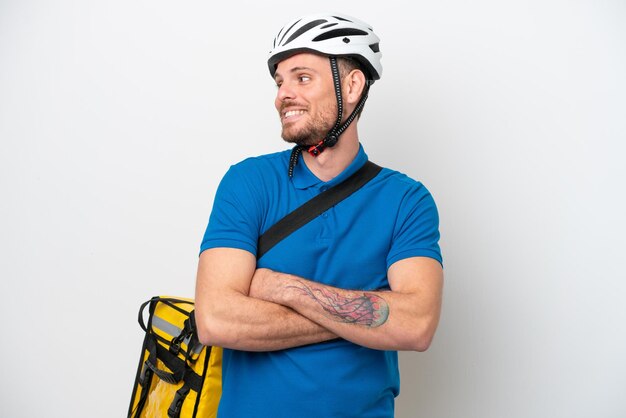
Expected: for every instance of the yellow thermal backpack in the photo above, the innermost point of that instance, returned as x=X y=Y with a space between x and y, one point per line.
x=177 y=376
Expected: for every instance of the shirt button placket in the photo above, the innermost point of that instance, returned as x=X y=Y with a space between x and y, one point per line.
x=325 y=232
x=323 y=189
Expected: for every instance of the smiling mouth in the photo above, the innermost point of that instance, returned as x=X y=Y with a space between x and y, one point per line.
x=292 y=113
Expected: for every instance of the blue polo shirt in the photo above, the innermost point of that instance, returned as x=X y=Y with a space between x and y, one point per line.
x=350 y=246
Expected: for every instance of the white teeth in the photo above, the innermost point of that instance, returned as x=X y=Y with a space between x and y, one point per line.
x=293 y=113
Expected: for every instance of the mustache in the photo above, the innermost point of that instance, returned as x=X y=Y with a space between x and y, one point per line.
x=286 y=104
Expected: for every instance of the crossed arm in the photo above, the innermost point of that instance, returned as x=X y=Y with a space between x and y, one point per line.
x=241 y=307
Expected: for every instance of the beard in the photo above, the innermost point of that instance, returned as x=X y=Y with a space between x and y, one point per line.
x=312 y=128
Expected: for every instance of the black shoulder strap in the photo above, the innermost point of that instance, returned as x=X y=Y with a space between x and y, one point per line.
x=320 y=203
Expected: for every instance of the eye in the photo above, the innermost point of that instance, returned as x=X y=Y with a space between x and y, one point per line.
x=304 y=78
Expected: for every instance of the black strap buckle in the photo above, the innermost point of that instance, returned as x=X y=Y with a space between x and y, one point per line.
x=177 y=403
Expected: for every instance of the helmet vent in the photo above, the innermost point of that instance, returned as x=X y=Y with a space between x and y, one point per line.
x=286 y=32
x=304 y=29
x=336 y=33
x=341 y=18
x=375 y=47
x=329 y=25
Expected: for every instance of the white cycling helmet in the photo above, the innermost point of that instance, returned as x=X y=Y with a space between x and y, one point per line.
x=332 y=35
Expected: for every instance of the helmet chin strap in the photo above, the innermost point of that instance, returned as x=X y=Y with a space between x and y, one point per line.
x=332 y=137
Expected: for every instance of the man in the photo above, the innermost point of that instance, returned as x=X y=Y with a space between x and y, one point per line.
x=311 y=329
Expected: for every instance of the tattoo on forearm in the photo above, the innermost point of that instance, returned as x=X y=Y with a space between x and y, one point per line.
x=362 y=308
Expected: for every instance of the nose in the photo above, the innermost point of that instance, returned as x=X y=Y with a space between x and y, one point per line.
x=285 y=92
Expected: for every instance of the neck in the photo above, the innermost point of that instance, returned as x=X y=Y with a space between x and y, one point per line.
x=330 y=163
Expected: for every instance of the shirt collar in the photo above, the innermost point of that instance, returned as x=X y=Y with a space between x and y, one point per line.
x=303 y=178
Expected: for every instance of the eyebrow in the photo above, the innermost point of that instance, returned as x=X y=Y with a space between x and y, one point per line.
x=296 y=69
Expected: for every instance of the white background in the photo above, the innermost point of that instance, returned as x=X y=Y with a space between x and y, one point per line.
x=119 y=118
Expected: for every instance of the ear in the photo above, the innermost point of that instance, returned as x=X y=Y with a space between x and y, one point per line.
x=353 y=85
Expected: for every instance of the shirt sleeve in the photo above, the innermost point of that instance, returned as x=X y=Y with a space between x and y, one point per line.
x=417 y=227
x=235 y=217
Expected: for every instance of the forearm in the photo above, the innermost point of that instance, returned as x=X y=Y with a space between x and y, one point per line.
x=244 y=323
x=227 y=317
x=381 y=320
